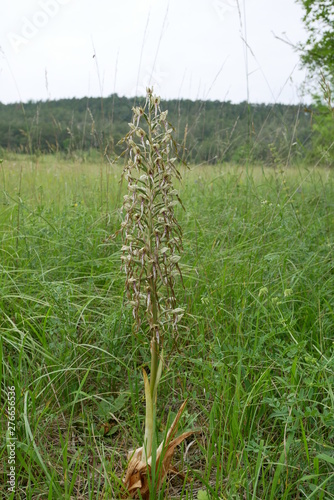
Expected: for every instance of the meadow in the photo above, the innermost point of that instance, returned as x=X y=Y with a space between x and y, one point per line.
x=254 y=355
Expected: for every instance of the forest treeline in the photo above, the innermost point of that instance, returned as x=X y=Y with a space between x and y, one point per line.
x=207 y=131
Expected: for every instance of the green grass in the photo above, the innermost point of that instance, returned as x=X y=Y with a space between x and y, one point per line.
x=254 y=356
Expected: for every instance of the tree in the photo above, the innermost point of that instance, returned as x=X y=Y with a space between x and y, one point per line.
x=317 y=53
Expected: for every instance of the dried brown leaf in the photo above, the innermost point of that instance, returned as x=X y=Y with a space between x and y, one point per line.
x=136 y=477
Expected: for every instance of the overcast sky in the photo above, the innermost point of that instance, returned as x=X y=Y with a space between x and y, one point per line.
x=197 y=49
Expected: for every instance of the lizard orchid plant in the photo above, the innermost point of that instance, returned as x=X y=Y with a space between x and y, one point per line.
x=151 y=251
